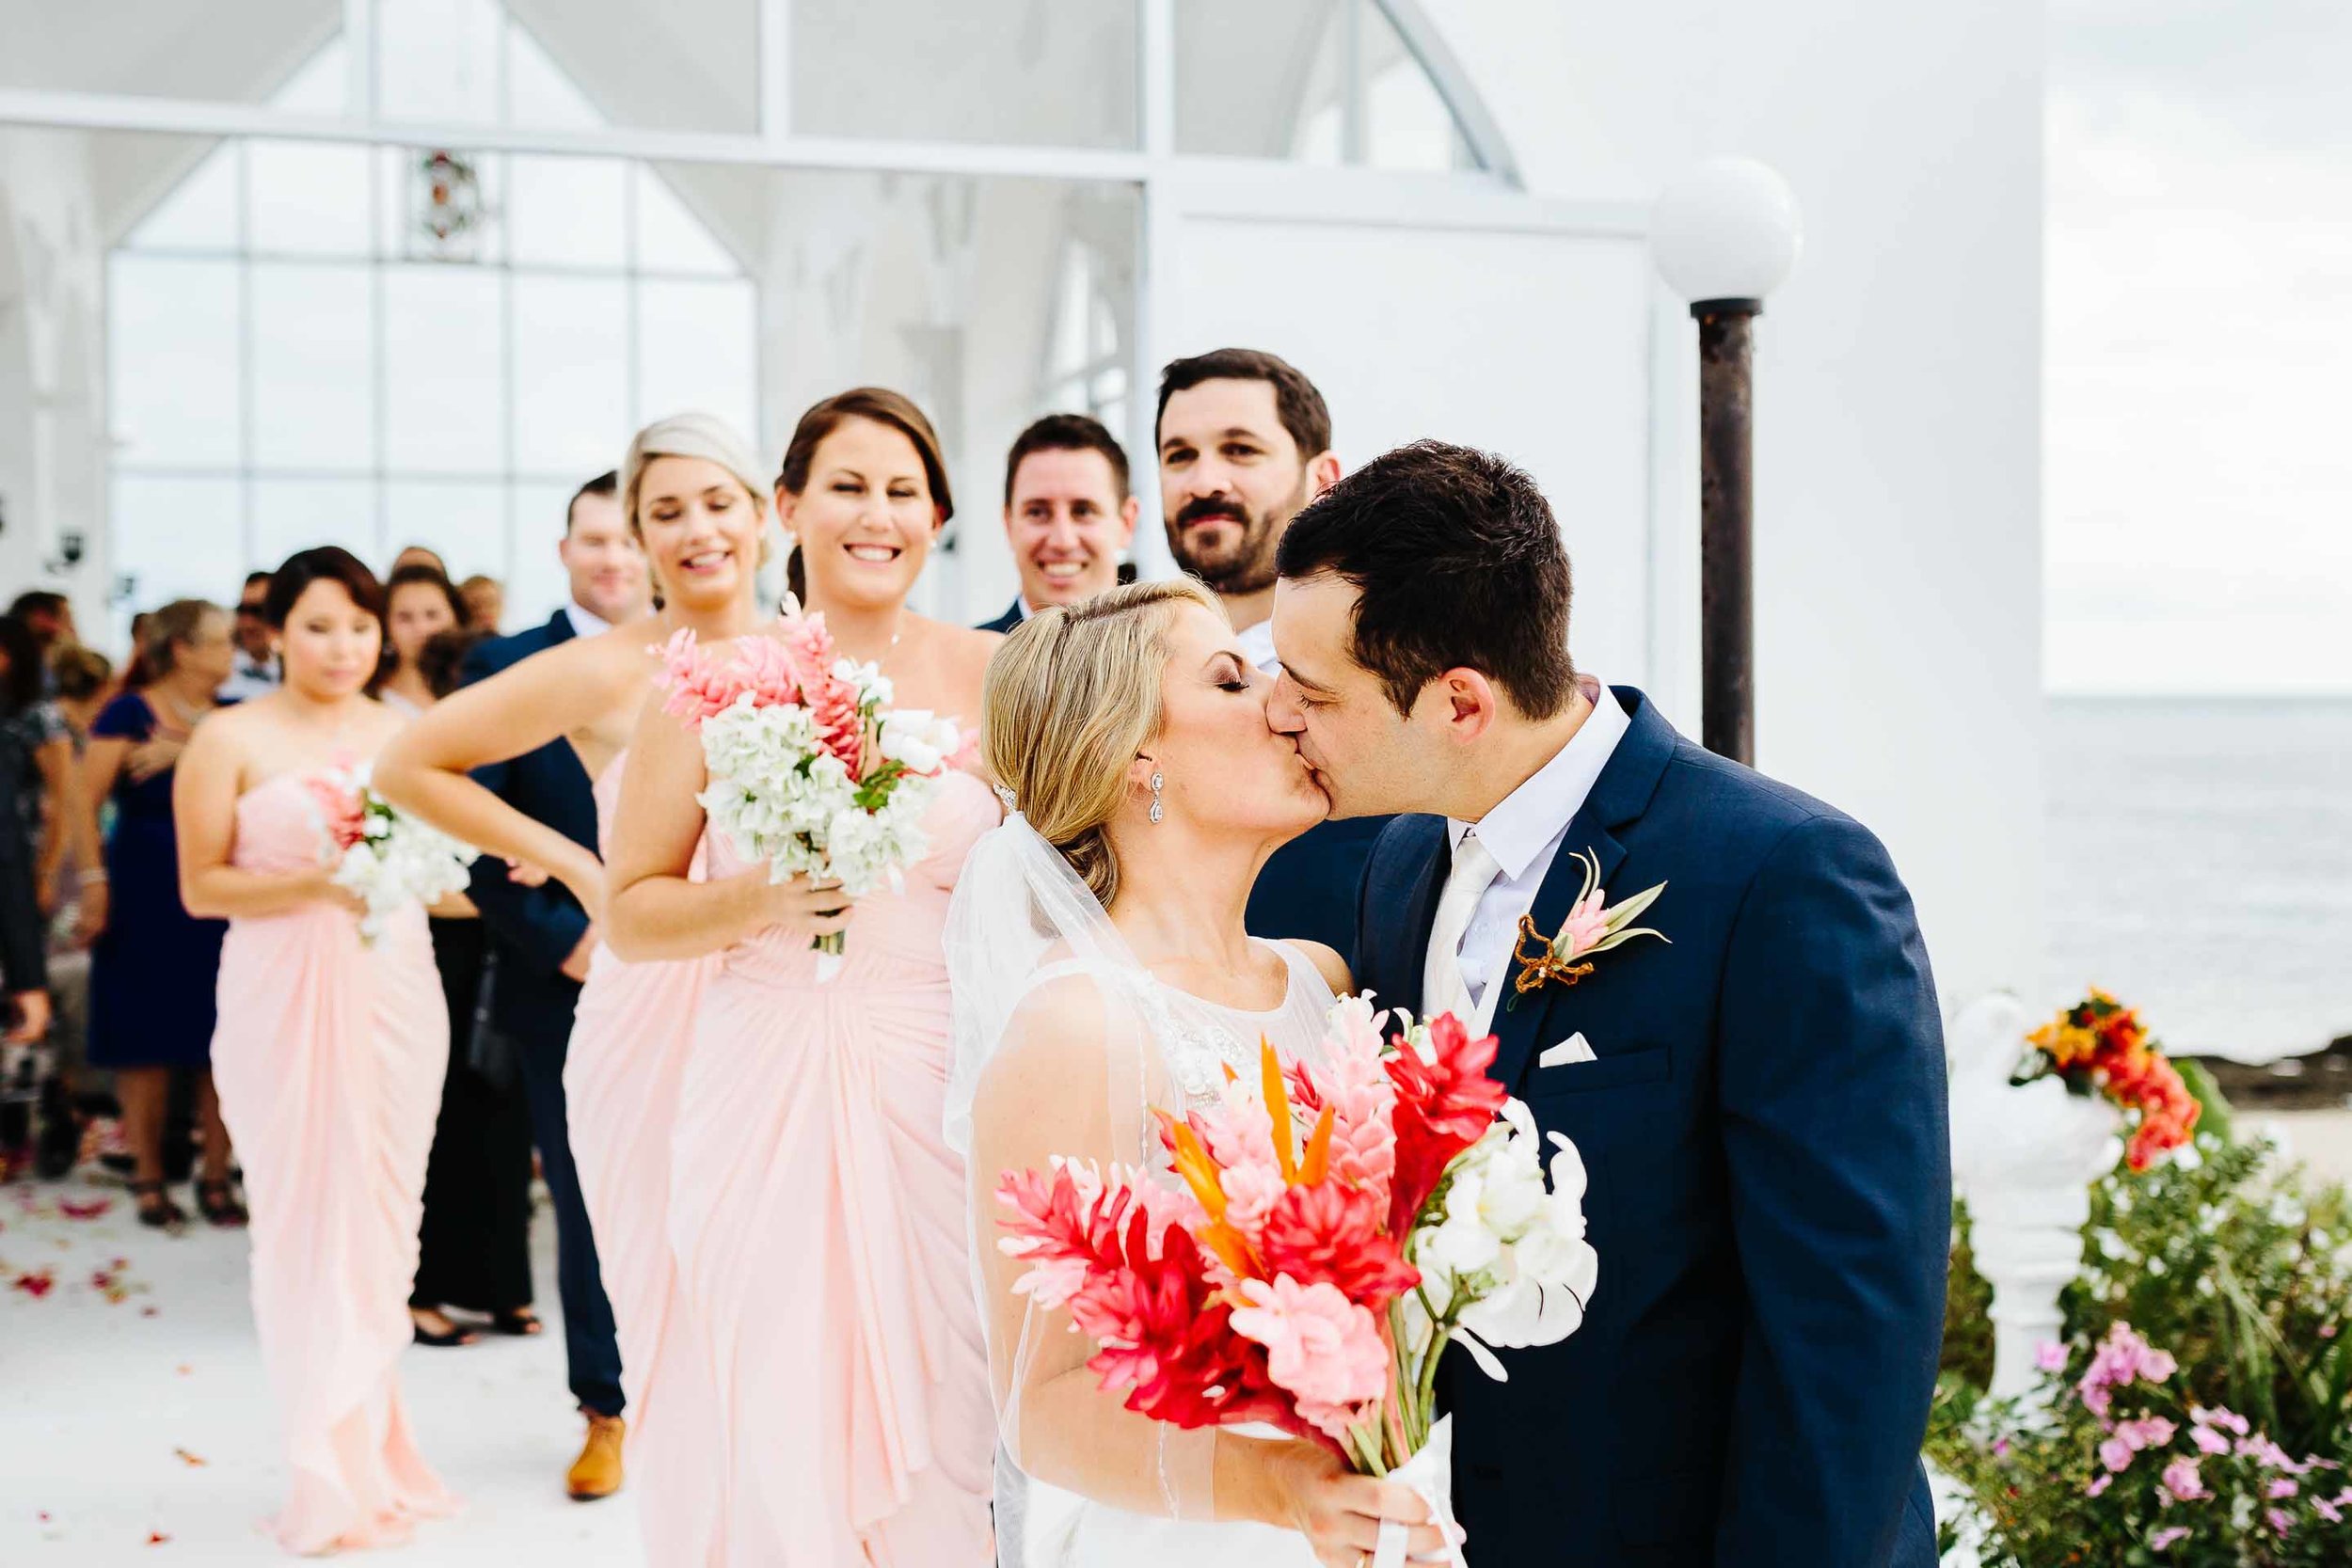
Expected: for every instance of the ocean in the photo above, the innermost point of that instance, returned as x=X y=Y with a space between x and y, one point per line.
x=2200 y=866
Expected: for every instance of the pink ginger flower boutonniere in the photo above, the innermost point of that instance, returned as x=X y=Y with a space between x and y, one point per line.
x=1593 y=926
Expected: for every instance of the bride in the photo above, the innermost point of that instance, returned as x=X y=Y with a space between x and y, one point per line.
x=1100 y=968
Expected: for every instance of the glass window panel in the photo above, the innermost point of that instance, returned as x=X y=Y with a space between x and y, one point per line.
x=571 y=373
x=310 y=198
x=697 y=347
x=437 y=60
x=566 y=212
x=536 y=585
x=313 y=386
x=443 y=407
x=291 y=514
x=1051 y=73
x=538 y=94
x=200 y=212
x=172 y=354
x=1406 y=124
x=320 y=85
x=169 y=51
x=179 y=537
x=464 y=524
x=669 y=238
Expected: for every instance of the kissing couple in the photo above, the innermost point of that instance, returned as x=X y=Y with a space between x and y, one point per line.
x=1758 y=1098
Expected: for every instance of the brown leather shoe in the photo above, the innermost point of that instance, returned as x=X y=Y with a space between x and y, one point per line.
x=597 y=1473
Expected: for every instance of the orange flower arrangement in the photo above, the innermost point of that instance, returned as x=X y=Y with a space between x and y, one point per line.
x=2099 y=1046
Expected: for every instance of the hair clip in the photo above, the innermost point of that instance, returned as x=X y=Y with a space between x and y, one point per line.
x=1012 y=802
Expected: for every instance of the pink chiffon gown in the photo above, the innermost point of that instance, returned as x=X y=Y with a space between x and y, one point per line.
x=818 y=1219
x=328 y=1057
x=621 y=1072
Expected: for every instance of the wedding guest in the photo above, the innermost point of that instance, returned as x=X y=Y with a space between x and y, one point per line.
x=26 y=744
x=1245 y=441
x=40 y=754
x=687 y=496
x=418 y=555
x=817 y=1211
x=84 y=683
x=420 y=604
x=1069 y=514
x=153 y=966
x=486 y=602
x=48 y=616
x=255 y=672
x=328 y=1055
x=541 y=937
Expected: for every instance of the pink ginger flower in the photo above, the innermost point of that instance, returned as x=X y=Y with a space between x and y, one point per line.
x=2167 y=1537
x=343 y=810
x=1586 y=925
x=1321 y=1347
x=2182 y=1480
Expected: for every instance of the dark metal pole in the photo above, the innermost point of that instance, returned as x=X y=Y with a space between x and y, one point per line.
x=1727 y=538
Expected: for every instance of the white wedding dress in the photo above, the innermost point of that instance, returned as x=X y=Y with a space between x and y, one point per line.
x=1064 y=1045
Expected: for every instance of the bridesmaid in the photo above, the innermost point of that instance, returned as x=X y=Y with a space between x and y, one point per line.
x=690 y=502
x=817 y=1212
x=328 y=1060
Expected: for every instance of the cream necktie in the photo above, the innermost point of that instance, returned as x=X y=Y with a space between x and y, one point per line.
x=1443 y=989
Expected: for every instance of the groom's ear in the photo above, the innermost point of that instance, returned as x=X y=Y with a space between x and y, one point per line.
x=1463 y=702
x=1322 y=473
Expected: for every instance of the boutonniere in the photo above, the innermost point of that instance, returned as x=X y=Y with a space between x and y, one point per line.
x=1593 y=926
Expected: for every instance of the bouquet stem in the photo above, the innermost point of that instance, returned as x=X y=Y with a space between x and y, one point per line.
x=829 y=949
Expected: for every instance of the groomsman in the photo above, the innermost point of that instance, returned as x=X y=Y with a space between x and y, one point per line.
x=1069 y=515
x=1244 y=442
x=540 y=940
x=255 y=672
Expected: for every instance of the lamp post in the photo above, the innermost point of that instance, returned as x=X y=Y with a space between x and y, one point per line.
x=1723 y=236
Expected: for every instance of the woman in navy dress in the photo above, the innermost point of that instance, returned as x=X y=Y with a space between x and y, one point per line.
x=153 y=967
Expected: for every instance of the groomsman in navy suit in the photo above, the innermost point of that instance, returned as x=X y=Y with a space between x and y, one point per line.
x=1069 y=515
x=540 y=940
x=1758 y=1092
x=1245 y=441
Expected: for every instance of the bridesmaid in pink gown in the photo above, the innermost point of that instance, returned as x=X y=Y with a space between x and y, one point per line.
x=817 y=1212
x=687 y=496
x=328 y=1058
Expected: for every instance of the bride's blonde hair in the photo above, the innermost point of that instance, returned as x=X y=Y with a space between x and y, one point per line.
x=1070 y=701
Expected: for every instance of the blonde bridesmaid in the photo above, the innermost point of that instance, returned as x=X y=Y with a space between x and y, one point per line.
x=689 y=500
x=328 y=1060
x=817 y=1212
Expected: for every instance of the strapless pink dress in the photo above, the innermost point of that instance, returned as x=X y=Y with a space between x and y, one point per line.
x=630 y=1037
x=328 y=1057
x=818 y=1219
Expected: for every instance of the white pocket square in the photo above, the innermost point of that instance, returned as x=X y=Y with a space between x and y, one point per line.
x=1572 y=1050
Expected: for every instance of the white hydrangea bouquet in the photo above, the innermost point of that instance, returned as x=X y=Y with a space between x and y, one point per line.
x=811 y=768
x=388 y=858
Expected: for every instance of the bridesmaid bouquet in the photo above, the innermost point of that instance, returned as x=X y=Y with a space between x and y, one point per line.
x=811 y=769
x=1338 y=1227
x=388 y=857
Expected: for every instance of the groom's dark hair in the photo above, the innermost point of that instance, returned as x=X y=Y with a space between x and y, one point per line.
x=1457 y=564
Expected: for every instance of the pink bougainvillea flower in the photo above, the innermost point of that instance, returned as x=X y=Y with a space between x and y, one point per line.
x=2167 y=1537
x=2182 y=1480
x=2050 y=1356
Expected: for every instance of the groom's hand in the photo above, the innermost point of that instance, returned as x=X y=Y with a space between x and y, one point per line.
x=1339 y=1512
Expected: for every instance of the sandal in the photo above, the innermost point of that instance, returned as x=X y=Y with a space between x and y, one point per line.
x=519 y=1321
x=156 y=1210
x=457 y=1334
x=217 y=1202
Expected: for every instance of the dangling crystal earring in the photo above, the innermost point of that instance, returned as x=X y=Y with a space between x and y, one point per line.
x=1156 y=813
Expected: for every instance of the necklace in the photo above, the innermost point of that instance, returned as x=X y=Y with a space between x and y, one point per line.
x=185 y=714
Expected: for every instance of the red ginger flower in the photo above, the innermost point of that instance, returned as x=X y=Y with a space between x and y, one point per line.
x=1331 y=1234
x=1442 y=1107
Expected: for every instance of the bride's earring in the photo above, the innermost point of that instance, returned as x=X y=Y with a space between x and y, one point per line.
x=1156 y=813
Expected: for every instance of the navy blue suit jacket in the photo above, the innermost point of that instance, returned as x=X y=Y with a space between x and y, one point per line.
x=1309 y=889
x=1005 y=622
x=1764 y=1126
x=533 y=929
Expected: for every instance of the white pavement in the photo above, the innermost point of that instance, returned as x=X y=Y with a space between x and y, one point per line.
x=107 y=1406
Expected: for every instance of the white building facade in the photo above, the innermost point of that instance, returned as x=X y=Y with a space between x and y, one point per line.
x=234 y=317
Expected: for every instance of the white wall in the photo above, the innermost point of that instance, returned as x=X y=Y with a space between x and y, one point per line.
x=1898 y=402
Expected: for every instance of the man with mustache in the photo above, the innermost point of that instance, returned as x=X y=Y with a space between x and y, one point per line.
x=1069 y=515
x=1244 y=442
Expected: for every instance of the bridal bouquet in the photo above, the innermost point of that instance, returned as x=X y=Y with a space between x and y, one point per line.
x=1336 y=1227
x=811 y=769
x=2099 y=1046
x=389 y=859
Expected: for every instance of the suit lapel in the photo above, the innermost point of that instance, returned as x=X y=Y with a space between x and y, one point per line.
x=1419 y=911
x=560 y=628
x=1617 y=798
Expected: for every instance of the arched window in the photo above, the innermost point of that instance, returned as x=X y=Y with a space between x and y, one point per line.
x=383 y=345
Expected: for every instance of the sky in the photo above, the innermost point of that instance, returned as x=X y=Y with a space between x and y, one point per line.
x=2198 y=388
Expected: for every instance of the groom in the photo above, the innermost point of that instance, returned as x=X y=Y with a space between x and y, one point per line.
x=1758 y=1095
